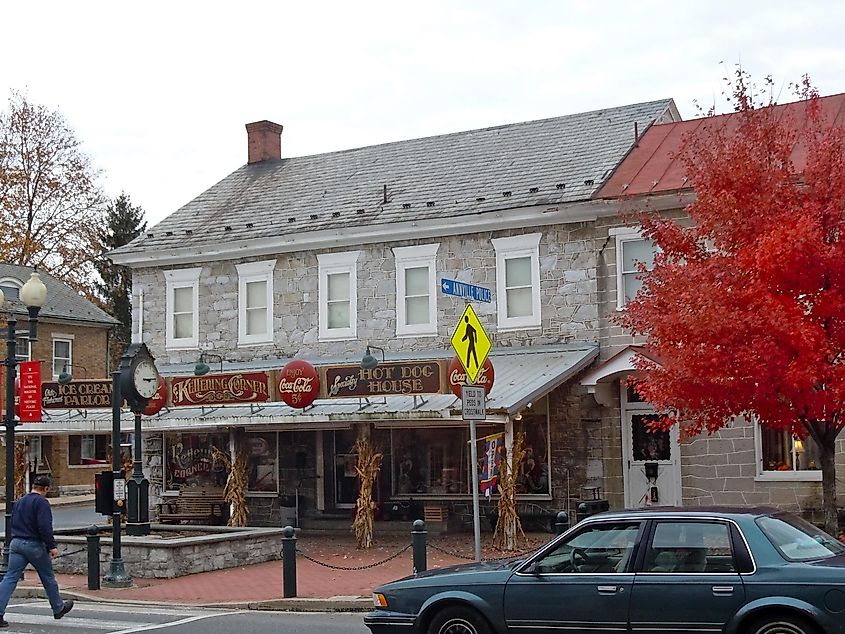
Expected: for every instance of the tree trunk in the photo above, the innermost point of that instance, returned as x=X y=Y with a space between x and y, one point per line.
x=828 y=460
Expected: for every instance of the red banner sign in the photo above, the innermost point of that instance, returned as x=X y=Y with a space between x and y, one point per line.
x=30 y=408
x=217 y=389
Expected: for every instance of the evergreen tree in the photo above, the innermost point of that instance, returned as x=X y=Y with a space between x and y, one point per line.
x=124 y=223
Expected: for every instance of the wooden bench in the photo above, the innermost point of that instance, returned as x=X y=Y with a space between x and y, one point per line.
x=531 y=516
x=198 y=505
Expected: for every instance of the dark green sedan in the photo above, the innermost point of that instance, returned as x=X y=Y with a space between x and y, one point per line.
x=745 y=571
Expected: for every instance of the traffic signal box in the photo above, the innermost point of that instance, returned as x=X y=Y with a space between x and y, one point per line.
x=104 y=492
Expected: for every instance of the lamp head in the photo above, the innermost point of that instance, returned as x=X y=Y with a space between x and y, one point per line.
x=368 y=362
x=65 y=377
x=201 y=367
x=34 y=293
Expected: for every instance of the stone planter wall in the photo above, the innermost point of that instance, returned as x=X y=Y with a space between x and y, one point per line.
x=164 y=557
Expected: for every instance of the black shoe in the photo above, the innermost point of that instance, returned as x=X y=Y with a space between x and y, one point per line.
x=67 y=608
x=3 y=622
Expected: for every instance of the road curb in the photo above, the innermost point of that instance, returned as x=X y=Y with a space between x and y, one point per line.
x=329 y=604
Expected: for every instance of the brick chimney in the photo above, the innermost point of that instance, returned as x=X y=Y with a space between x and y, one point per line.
x=264 y=141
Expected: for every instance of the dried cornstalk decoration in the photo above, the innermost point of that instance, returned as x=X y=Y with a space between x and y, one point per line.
x=126 y=464
x=236 y=482
x=509 y=526
x=20 y=470
x=368 y=466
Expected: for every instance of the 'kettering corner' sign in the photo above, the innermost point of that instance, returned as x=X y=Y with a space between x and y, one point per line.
x=241 y=387
x=399 y=378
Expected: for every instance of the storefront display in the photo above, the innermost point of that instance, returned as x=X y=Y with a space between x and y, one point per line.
x=261 y=462
x=189 y=462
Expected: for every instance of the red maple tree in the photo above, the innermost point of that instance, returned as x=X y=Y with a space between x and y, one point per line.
x=745 y=304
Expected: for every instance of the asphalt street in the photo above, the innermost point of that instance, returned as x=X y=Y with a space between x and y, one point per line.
x=72 y=516
x=35 y=617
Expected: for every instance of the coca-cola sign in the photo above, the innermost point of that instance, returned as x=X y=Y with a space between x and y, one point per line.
x=299 y=383
x=458 y=376
x=158 y=400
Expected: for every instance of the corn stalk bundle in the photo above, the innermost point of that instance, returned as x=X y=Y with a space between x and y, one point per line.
x=236 y=482
x=126 y=466
x=508 y=526
x=20 y=470
x=368 y=466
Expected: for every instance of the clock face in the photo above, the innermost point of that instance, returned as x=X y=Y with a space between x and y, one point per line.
x=145 y=378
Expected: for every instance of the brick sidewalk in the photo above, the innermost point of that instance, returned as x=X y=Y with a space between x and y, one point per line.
x=263 y=582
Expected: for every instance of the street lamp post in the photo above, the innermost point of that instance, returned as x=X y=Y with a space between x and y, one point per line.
x=117 y=576
x=33 y=295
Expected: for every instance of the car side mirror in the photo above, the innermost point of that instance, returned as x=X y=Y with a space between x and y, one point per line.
x=533 y=568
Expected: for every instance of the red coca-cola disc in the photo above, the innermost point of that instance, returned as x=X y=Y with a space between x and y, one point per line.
x=158 y=400
x=299 y=383
x=458 y=377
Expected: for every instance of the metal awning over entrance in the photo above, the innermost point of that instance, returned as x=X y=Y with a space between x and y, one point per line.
x=522 y=375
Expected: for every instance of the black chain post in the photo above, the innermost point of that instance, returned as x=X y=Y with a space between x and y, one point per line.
x=93 y=538
x=289 y=562
x=561 y=523
x=418 y=537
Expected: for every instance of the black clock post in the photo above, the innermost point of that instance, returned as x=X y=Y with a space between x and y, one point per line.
x=135 y=382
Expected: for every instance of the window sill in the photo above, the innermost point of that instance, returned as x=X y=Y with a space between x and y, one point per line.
x=512 y=328
x=255 y=344
x=182 y=346
x=101 y=467
x=410 y=335
x=789 y=476
x=344 y=337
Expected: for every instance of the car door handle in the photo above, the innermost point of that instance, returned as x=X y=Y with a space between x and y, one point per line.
x=723 y=591
x=608 y=589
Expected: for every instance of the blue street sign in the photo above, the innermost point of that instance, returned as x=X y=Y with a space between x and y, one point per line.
x=462 y=289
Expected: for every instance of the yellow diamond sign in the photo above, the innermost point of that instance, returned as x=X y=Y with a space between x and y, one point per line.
x=471 y=343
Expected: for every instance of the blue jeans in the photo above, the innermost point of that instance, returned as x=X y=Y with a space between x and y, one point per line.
x=21 y=553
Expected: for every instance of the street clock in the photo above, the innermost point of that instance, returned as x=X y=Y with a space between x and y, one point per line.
x=139 y=377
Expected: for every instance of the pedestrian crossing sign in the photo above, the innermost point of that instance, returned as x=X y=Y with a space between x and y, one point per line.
x=471 y=343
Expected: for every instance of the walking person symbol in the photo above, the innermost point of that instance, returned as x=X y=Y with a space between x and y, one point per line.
x=472 y=337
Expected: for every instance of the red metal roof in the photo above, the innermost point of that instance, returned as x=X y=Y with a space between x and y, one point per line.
x=653 y=165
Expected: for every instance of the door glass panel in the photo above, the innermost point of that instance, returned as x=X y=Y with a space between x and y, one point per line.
x=690 y=547
x=648 y=444
x=597 y=549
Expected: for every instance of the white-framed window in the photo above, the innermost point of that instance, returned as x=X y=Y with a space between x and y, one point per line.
x=255 y=302
x=62 y=355
x=782 y=456
x=23 y=349
x=631 y=249
x=338 y=291
x=416 y=290
x=35 y=449
x=182 y=299
x=518 y=281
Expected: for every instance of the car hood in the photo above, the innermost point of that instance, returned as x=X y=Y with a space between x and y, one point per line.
x=493 y=571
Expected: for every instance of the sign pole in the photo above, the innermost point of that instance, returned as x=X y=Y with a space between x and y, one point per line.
x=476 y=520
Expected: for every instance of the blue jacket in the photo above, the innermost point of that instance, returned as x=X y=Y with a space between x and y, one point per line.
x=32 y=518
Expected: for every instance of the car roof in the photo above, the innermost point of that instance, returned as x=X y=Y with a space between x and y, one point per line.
x=688 y=511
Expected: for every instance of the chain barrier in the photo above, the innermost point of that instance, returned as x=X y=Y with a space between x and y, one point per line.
x=351 y=568
x=73 y=552
x=504 y=555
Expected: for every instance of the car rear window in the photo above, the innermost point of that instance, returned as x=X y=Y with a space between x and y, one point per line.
x=798 y=540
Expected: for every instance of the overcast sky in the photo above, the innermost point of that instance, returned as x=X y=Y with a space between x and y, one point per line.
x=159 y=92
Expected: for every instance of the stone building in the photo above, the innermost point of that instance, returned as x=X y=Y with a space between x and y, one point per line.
x=316 y=258
x=743 y=464
x=73 y=337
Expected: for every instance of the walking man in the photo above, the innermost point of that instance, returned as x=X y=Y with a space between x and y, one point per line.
x=472 y=336
x=33 y=543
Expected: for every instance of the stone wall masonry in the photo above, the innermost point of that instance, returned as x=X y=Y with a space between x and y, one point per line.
x=567 y=286
x=722 y=469
x=163 y=556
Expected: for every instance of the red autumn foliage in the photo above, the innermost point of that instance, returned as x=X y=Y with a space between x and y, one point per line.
x=745 y=305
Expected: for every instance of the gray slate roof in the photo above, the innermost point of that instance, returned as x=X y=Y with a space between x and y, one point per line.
x=563 y=159
x=63 y=302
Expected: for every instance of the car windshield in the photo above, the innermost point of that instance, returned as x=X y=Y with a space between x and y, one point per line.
x=798 y=540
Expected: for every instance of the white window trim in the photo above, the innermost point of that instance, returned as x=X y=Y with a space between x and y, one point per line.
x=181 y=278
x=623 y=235
x=527 y=245
x=66 y=339
x=808 y=475
x=329 y=264
x=409 y=258
x=255 y=272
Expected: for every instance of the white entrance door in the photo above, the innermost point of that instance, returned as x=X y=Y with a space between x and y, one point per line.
x=651 y=462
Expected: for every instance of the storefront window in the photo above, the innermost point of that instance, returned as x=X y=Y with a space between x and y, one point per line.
x=261 y=458
x=784 y=452
x=430 y=461
x=189 y=463
x=88 y=449
x=533 y=473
